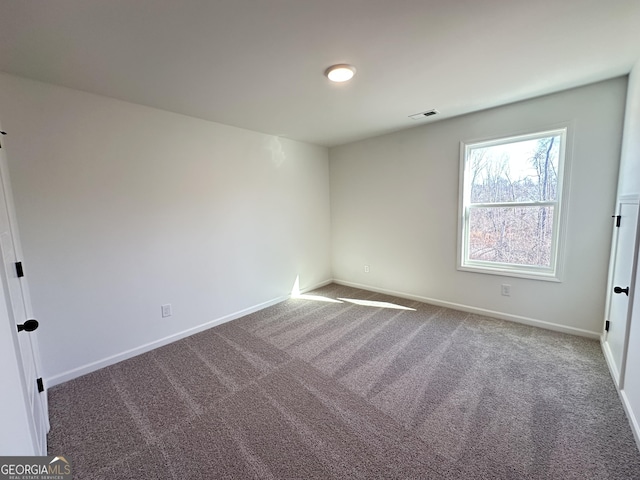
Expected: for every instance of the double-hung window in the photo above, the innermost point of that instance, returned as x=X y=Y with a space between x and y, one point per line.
x=511 y=202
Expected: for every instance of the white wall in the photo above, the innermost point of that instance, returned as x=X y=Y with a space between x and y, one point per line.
x=630 y=184
x=123 y=208
x=629 y=179
x=394 y=206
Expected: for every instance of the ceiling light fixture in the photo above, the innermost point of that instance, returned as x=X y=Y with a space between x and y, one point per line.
x=340 y=73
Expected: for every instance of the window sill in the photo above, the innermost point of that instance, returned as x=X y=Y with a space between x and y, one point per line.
x=511 y=272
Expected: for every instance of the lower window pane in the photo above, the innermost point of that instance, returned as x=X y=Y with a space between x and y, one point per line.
x=511 y=235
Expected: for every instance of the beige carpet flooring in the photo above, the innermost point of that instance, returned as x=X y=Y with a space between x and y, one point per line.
x=362 y=386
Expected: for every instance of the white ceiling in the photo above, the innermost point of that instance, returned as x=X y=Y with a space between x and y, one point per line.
x=258 y=64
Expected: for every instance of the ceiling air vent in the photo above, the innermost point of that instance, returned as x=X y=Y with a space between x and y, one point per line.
x=421 y=115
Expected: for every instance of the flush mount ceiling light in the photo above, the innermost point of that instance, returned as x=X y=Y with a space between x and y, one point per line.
x=340 y=73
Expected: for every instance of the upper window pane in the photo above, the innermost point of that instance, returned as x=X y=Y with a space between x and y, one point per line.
x=523 y=171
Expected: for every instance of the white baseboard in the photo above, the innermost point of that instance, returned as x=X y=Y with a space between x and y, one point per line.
x=633 y=421
x=608 y=356
x=105 y=362
x=479 y=311
x=615 y=375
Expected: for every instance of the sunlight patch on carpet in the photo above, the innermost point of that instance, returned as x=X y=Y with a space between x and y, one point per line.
x=372 y=303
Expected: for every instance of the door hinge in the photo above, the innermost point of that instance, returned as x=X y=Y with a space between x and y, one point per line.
x=40 y=385
x=19 y=269
x=606 y=326
x=617 y=217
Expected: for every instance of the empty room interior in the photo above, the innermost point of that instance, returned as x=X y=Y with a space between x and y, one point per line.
x=223 y=261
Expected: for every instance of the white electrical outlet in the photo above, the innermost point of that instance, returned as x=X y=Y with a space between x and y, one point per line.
x=366 y=269
x=506 y=290
x=166 y=310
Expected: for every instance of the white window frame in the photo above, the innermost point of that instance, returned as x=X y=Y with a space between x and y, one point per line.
x=552 y=273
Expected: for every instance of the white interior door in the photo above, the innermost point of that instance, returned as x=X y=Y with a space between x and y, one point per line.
x=624 y=251
x=18 y=308
x=16 y=434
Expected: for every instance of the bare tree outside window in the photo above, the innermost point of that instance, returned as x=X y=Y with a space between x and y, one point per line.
x=511 y=199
